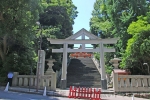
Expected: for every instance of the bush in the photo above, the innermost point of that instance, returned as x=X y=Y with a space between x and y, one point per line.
x=3 y=80
x=97 y=56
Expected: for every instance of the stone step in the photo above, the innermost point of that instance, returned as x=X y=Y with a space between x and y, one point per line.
x=83 y=85
x=83 y=72
x=75 y=79
x=86 y=80
x=71 y=75
x=86 y=77
x=80 y=84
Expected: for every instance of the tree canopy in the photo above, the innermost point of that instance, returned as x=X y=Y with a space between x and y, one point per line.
x=115 y=18
x=138 y=51
x=20 y=35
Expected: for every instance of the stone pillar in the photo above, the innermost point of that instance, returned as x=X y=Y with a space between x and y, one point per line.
x=115 y=81
x=63 y=84
x=15 y=79
x=53 y=82
x=40 y=68
x=41 y=62
x=83 y=38
x=102 y=64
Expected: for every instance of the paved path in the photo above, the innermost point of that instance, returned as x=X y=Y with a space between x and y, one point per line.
x=23 y=96
x=62 y=93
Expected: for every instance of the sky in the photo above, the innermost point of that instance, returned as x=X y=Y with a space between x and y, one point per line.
x=84 y=8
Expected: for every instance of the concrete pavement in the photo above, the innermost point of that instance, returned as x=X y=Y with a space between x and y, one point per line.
x=108 y=95
x=24 y=96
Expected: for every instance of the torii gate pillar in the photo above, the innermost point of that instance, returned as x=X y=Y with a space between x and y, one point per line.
x=63 y=84
x=102 y=64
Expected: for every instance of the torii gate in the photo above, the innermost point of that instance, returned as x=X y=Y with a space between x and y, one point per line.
x=92 y=40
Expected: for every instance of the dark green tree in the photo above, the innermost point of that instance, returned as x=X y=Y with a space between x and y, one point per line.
x=57 y=20
x=17 y=19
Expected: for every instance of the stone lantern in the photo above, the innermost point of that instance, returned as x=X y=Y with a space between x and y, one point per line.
x=50 y=64
x=115 y=62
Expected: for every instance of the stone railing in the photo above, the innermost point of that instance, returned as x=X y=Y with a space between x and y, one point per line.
x=131 y=83
x=96 y=62
x=31 y=80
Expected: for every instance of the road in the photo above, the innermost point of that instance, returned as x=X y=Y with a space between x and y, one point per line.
x=22 y=96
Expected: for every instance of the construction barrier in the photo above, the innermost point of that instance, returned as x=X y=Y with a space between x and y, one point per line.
x=84 y=93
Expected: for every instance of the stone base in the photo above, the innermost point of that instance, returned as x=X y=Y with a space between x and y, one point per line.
x=104 y=84
x=63 y=84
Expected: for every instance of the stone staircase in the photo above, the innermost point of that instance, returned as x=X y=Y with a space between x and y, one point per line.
x=82 y=72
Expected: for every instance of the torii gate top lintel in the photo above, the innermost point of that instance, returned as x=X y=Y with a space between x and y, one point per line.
x=83 y=32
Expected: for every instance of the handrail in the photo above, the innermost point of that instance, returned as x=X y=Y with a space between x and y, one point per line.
x=96 y=62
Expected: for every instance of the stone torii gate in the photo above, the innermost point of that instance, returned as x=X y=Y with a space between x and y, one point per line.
x=92 y=40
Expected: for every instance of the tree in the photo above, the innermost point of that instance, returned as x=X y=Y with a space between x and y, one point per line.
x=17 y=19
x=111 y=18
x=101 y=25
x=57 y=20
x=138 y=51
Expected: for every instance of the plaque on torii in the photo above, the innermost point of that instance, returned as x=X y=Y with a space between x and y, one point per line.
x=92 y=40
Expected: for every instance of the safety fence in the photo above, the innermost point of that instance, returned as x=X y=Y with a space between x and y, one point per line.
x=84 y=93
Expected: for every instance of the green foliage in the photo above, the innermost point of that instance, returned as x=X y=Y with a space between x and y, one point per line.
x=57 y=20
x=17 y=19
x=111 y=18
x=20 y=36
x=108 y=69
x=101 y=25
x=97 y=56
x=138 y=51
x=3 y=80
